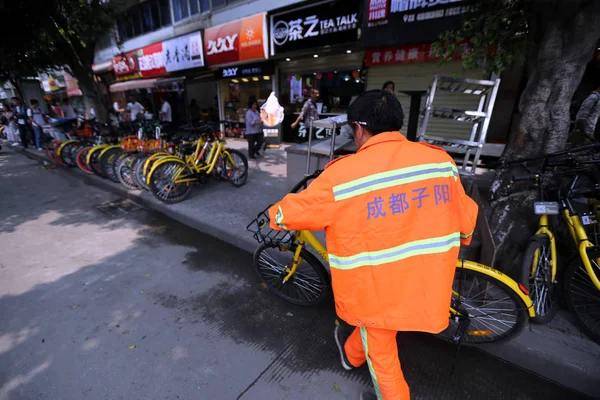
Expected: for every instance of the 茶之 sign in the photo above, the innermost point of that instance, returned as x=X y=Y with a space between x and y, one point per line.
x=326 y=23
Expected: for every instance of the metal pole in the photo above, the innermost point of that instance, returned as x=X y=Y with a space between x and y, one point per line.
x=332 y=142
x=310 y=132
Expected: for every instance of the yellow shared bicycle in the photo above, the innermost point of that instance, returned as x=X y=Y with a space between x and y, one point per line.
x=486 y=305
x=171 y=177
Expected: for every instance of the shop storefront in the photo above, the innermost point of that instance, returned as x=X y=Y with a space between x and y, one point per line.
x=147 y=74
x=235 y=48
x=316 y=46
x=398 y=36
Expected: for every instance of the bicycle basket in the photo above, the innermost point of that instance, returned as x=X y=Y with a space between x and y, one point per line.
x=263 y=233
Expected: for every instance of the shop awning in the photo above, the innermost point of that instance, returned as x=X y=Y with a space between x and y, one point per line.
x=102 y=67
x=131 y=85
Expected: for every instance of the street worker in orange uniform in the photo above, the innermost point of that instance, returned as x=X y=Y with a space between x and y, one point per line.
x=395 y=214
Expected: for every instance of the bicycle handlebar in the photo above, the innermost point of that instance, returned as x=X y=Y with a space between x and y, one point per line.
x=305 y=180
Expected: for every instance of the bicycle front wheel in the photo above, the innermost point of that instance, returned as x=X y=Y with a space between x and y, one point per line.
x=536 y=271
x=583 y=297
x=309 y=285
x=125 y=172
x=162 y=182
x=236 y=174
x=488 y=310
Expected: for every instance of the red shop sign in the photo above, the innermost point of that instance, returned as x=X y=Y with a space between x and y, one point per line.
x=407 y=54
x=240 y=40
x=151 y=60
x=378 y=9
x=125 y=64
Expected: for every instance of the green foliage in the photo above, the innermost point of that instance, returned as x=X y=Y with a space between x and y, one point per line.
x=492 y=36
x=51 y=33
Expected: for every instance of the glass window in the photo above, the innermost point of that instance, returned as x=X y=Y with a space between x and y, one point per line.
x=180 y=10
x=218 y=3
x=125 y=29
x=204 y=5
x=155 y=15
x=136 y=21
x=194 y=7
x=165 y=12
x=147 y=23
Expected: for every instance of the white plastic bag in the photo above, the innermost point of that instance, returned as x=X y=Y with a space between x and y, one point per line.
x=271 y=113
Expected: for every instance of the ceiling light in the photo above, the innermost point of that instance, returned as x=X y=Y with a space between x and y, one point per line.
x=314 y=73
x=348 y=51
x=288 y=59
x=255 y=78
x=335 y=72
x=266 y=77
x=245 y=80
x=316 y=56
x=235 y=81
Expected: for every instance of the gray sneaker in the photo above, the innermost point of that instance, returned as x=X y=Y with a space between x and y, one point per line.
x=341 y=334
x=368 y=396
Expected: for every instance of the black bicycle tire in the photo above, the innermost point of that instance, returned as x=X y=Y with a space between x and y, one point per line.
x=95 y=161
x=118 y=159
x=106 y=163
x=67 y=151
x=568 y=279
x=138 y=171
x=244 y=160
x=81 y=157
x=119 y=169
x=535 y=243
x=316 y=265
x=521 y=316
x=153 y=189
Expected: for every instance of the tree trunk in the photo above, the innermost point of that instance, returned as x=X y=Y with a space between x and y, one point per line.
x=562 y=39
x=92 y=91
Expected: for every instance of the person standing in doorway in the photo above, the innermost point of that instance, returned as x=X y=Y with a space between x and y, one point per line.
x=36 y=119
x=134 y=108
x=253 y=129
x=166 y=117
x=68 y=110
x=587 y=116
x=309 y=110
x=21 y=117
x=389 y=87
x=194 y=111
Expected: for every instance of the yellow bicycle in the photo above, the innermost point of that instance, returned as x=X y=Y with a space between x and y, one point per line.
x=486 y=305
x=170 y=178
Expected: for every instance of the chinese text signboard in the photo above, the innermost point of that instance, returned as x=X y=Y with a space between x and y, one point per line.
x=244 y=39
x=182 y=52
x=259 y=69
x=407 y=54
x=326 y=23
x=399 y=22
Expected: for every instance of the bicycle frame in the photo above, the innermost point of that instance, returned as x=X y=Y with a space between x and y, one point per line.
x=582 y=243
x=304 y=237
x=545 y=230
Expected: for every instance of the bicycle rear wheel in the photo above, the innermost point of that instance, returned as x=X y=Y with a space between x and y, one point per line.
x=125 y=172
x=138 y=171
x=107 y=161
x=583 y=298
x=81 y=157
x=67 y=153
x=309 y=285
x=51 y=151
x=489 y=311
x=236 y=174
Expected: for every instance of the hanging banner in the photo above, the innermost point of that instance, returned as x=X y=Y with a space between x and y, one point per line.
x=399 y=22
x=151 y=60
x=322 y=24
x=72 y=86
x=244 y=39
x=183 y=52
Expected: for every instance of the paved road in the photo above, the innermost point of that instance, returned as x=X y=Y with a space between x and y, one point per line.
x=106 y=302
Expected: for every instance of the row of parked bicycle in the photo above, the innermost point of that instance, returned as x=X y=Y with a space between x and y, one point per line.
x=152 y=160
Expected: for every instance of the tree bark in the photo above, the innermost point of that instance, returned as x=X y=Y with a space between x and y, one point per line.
x=562 y=39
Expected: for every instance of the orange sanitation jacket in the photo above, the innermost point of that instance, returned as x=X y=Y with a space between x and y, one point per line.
x=394 y=214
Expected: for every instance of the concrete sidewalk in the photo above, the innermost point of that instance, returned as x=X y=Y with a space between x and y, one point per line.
x=557 y=351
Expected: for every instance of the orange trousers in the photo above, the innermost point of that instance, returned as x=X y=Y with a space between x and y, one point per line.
x=379 y=349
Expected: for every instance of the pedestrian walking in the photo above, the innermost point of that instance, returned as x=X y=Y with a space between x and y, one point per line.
x=36 y=120
x=309 y=110
x=134 y=108
x=394 y=215
x=12 y=130
x=587 y=115
x=253 y=129
x=166 y=116
x=22 y=120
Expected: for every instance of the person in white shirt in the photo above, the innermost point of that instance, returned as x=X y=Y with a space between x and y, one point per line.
x=134 y=108
x=68 y=110
x=165 y=113
x=36 y=119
